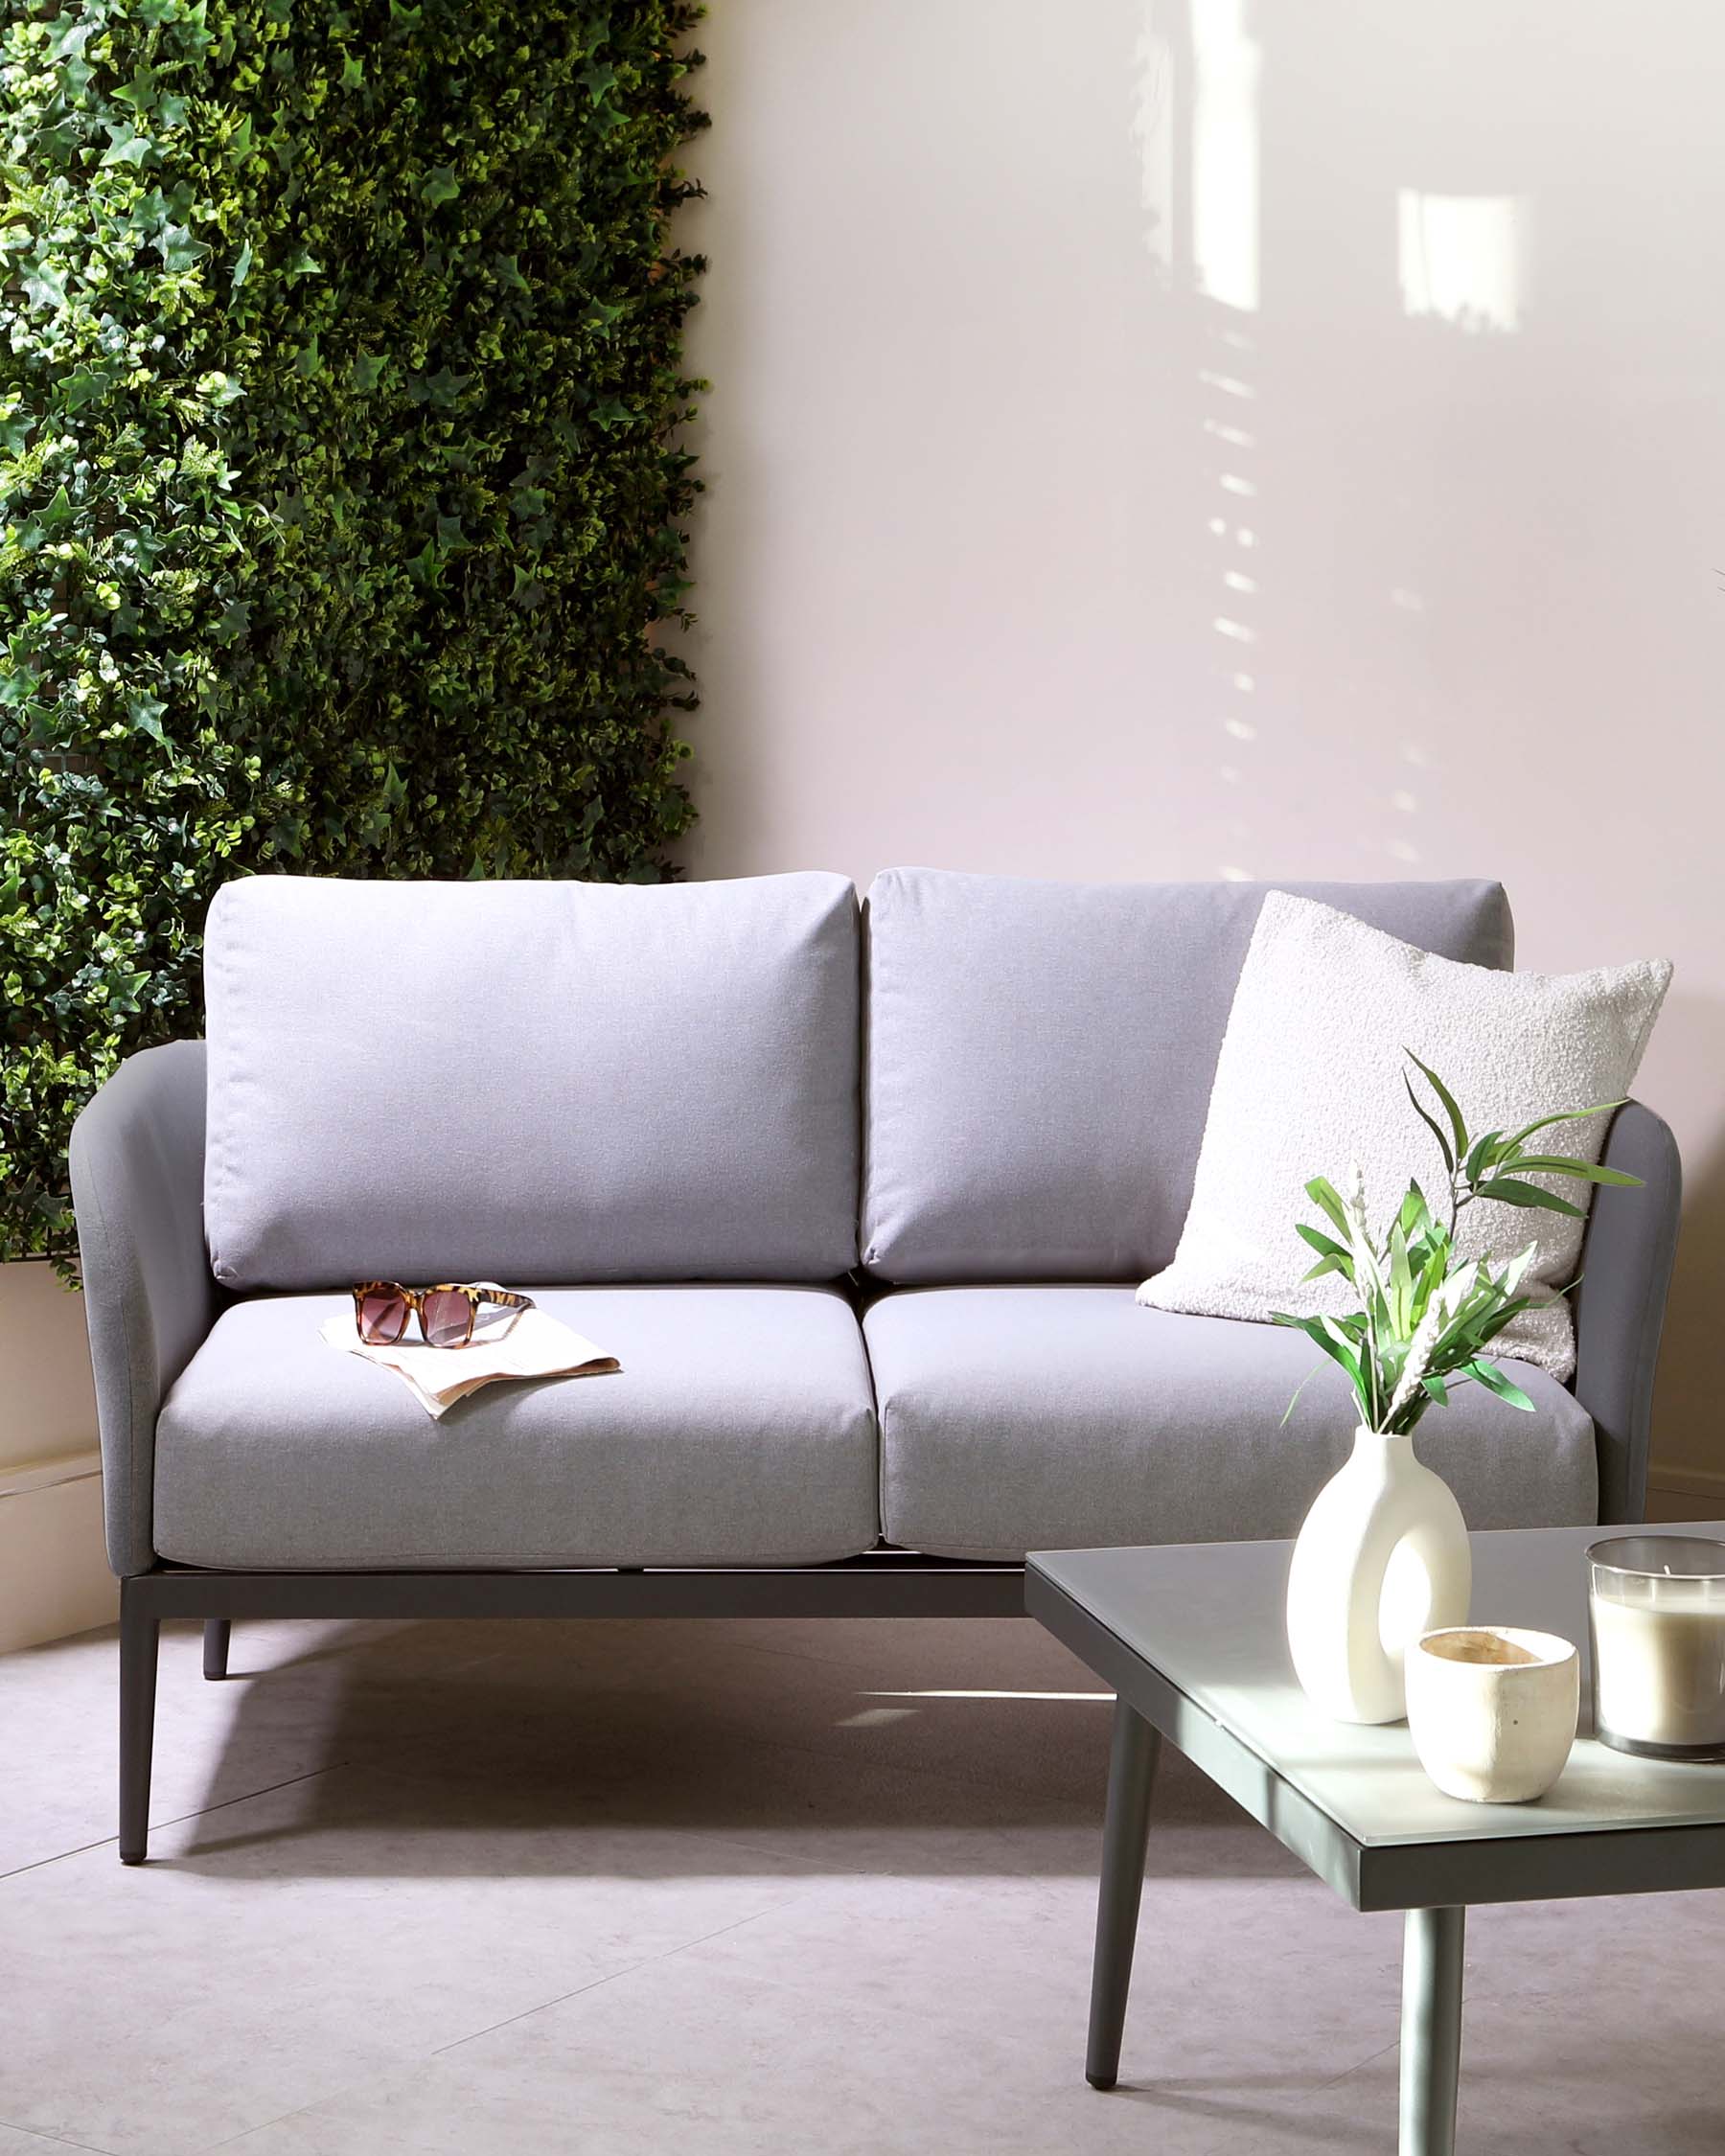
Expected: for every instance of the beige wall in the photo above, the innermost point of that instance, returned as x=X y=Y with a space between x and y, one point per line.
x=1190 y=440
x=54 y=1575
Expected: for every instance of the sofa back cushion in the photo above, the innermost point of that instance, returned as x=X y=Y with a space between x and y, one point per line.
x=531 y=1081
x=1040 y=1058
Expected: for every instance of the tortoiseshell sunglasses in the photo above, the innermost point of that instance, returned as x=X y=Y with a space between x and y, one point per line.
x=446 y=1313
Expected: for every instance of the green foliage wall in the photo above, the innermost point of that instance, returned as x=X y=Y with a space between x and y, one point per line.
x=340 y=381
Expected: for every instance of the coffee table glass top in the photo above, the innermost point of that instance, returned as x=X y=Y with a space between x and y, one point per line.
x=1208 y=1617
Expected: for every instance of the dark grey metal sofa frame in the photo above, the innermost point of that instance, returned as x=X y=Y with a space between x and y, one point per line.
x=137 y=1175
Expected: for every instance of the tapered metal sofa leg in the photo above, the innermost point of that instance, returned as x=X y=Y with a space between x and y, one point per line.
x=140 y=1633
x=217 y=1631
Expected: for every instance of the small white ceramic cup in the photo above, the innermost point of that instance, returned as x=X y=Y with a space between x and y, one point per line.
x=1492 y=1710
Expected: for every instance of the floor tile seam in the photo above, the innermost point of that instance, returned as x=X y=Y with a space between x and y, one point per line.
x=161 y=1827
x=38 y=1863
x=55 y=2141
x=355 y=2088
x=249 y=1796
x=1360 y=2065
x=363 y=2088
x=598 y=1984
x=438 y=2050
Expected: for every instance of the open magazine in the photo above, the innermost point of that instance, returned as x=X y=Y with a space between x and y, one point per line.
x=506 y=1343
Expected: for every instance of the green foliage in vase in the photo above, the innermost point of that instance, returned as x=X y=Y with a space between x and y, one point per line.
x=342 y=489
x=1430 y=1315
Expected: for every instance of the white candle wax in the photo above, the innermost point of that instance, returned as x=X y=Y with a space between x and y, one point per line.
x=1659 y=1647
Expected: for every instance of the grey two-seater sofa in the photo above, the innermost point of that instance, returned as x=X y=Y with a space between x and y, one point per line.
x=858 y=1196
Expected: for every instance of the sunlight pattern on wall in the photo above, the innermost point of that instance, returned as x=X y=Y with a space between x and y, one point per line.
x=1461 y=256
x=1227 y=64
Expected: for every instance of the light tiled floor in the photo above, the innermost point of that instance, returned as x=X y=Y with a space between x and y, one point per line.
x=512 y=1889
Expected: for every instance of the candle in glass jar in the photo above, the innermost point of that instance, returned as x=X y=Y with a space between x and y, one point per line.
x=1657 y=1614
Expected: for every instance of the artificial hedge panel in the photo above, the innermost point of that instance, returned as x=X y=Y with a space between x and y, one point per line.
x=340 y=382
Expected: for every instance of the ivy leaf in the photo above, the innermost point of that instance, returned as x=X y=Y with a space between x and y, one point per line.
x=444 y=388
x=242 y=263
x=140 y=93
x=302 y=263
x=219 y=389
x=151 y=210
x=353 y=71
x=367 y=370
x=177 y=248
x=508 y=274
x=127 y=147
x=439 y=186
x=146 y=712
x=44 y=286
x=193 y=28
x=307 y=360
x=85 y=385
x=611 y=413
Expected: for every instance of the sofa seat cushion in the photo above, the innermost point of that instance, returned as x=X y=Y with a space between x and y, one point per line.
x=1063 y=1418
x=741 y=1429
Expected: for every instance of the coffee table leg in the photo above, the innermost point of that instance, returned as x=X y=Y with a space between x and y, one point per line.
x=1131 y=1772
x=1430 y=2029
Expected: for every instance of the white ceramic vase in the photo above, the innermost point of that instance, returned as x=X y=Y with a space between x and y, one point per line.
x=1382 y=1558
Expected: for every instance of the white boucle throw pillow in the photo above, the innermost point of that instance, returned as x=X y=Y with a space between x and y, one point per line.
x=1310 y=1080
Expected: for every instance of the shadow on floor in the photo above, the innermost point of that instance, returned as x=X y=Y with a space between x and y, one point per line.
x=936 y=1748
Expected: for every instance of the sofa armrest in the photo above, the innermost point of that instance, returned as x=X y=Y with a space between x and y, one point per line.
x=1626 y=1259
x=137 y=1187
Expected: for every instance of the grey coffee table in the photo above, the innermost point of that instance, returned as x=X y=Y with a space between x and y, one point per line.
x=1191 y=1638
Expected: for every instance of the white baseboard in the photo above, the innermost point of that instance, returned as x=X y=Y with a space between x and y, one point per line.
x=54 y=1571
